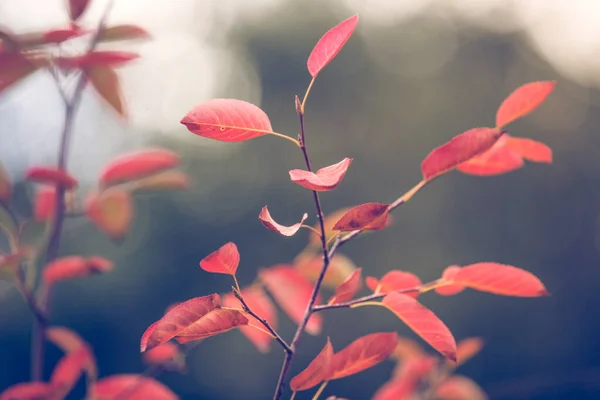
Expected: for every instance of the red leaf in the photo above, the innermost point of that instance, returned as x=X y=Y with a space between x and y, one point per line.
x=310 y=265
x=111 y=210
x=194 y=319
x=498 y=159
x=459 y=388
x=458 y=150
x=69 y=369
x=139 y=164
x=319 y=370
x=292 y=292
x=368 y=216
x=324 y=179
x=269 y=223
x=448 y=276
x=259 y=302
x=74 y=267
x=348 y=288
x=13 y=68
x=467 y=348
x=227 y=120
x=397 y=280
x=51 y=176
x=225 y=260
x=522 y=101
x=106 y=82
x=123 y=32
x=70 y=342
x=166 y=355
x=103 y=59
x=423 y=322
x=29 y=391
x=500 y=279
x=363 y=353
x=396 y=389
x=62 y=35
x=330 y=44
x=372 y=283
x=168 y=180
x=44 y=203
x=530 y=149
x=131 y=387
x=77 y=7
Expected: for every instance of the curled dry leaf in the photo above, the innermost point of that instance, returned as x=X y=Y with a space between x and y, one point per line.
x=467 y=348
x=111 y=210
x=292 y=291
x=51 y=176
x=522 y=101
x=325 y=179
x=319 y=370
x=446 y=287
x=348 y=288
x=73 y=267
x=458 y=150
x=131 y=387
x=269 y=223
x=106 y=82
x=137 y=165
x=423 y=322
x=225 y=260
x=395 y=280
x=30 y=391
x=459 y=387
x=368 y=216
x=310 y=264
x=330 y=44
x=227 y=120
x=363 y=353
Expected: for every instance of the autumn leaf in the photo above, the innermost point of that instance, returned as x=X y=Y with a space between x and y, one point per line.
x=395 y=280
x=292 y=291
x=445 y=286
x=168 y=180
x=498 y=159
x=319 y=370
x=106 y=82
x=423 y=322
x=73 y=267
x=227 y=120
x=363 y=353
x=76 y=8
x=167 y=355
x=348 y=288
x=269 y=223
x=68 y=370
x=123 y=32
x=330 y=44
x=522 y=101
x=310 y=265
x=70 y=342
x=51 y=176
x=530 y=150
x=29 y=391
x=111 y=210
x=458 y=150
x=137 y=165
x=14 y=68
x=467 y=348
x=194 y=319
x=459 y=387
x=368 y=216
x=131 y=387
x=98 y=58
x=225 y=260
x=325 y=179
x=61 y=35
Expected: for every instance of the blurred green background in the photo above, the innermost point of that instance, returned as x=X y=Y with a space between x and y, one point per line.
x=404 y=84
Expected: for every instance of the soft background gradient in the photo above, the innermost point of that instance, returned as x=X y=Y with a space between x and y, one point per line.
x=415 y=73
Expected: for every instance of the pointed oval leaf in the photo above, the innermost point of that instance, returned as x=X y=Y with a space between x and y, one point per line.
x=76 y=8
x=368 y=216
x=458 y=150
x=123 y=32
x=51 y=176
x=29 y=391
x=398 y=280
x=292 y=292
x=325 y=179
x=261 y=304
x=131 y=387
x=467 y=348
x=310 y=264
x=269 y=223
x=447 y=288
x=138 y=164
x=319 y=370
x=348 y=288
x=459 y=387
x=500 y=279
x=530 y=149
x=423 y=322
x=363 y=353
x=74 y=267
x=330 y=44
x=106 y=82
x=111 y=210
x=225 y=260
x=498 y=159
x=522 y=101
x=227 y=120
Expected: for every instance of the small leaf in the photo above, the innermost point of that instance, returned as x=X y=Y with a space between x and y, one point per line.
x=522 y=101
x=363 y=353
x=168 y=180
x=458 y=150
x=225 y=260
x=29 y=391
x=51 y=176
x=269 y=223
x=348 y=288
x=194 y=319
x=134 y=386
x=459 y=387
x=123 y=32
x=137 y=165
x=319 y=370
x=106 y=82
x=500 y=279
x=325 y=179
x=530 y=149
x=310 y=265
x=74 y=267
x=447 y=288
x=467 y=348
x=397 y=280
x=111 y=210
x=70 y=342
x=69 y=369
x=423 y=322
x=76 y=8
x=330 y=44
x=14 y=68
x=368 y=216
x=5 y=185
x=292 y=292
x=227 y=120
x=167 y=355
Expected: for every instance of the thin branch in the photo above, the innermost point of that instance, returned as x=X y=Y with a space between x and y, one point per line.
x=364 y=299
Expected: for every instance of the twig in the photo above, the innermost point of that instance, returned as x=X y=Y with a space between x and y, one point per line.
x=364 y=299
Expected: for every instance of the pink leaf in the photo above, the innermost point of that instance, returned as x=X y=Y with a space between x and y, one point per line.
x=368 y=216
x=269 y=223
x=522 y=101
x=330 y=44
x=324 y=179
x=225 y=260
x=348 y=288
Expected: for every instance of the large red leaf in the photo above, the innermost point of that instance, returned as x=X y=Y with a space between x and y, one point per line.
x=30 y=391
x=458 y=150
x=13 y=68
x=363 y=353
x=271 y=224
x=131 y=387
x=530 y=149
x=194 y=319
x=348 y=288
x=447 y=288
x=261 y=304
x=339 y=269
x=423 y=322
x=139 y=164
x=225 y=260
x=111 y=210
x=459 y=387
x=292 y=291
x=227 y=120
x=324 y=179
x=68 y=369
x=522 y=101
x=368 y=216
x=76 y=8
x=396 y=280
x=500 y=279
x=51 y=176
x=106 y=82
x=330 y=44
x=74 y=267
x=319 y=370
x=70 y=342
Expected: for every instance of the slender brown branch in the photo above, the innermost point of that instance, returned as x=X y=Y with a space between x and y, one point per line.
x=364 y=299
x=263 y=321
